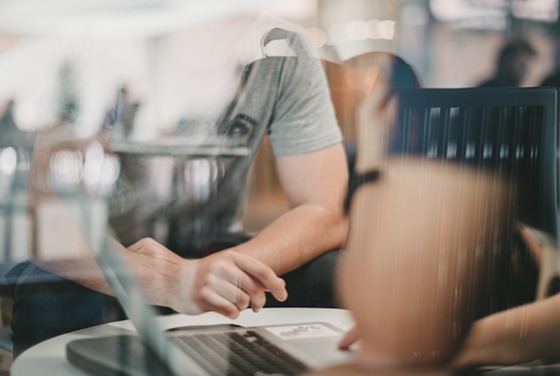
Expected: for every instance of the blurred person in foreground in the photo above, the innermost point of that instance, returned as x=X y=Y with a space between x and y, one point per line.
x=254 y=75
x=418 y=269
x=512 y=66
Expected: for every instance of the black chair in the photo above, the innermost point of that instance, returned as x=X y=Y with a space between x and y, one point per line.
x=509 y=131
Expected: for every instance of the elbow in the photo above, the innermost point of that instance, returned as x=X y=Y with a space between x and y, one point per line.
x=340 y=225
x=336 y=227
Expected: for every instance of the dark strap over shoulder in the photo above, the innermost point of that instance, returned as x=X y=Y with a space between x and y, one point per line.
x=292 y=38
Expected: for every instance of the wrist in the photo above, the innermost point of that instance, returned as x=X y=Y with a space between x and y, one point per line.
x=169 y=283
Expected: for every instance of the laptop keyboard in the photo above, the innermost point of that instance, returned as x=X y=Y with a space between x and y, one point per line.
x=238 y=353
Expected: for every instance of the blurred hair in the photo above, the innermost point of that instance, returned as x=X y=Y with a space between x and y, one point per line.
x=403 y=75
x=513 y=48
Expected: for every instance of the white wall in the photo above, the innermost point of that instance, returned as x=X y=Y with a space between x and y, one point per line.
x=29 y=71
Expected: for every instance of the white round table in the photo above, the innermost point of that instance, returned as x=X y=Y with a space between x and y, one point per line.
x=48 y=358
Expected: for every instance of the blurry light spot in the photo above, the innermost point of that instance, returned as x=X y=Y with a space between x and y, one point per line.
x=337 y=34
x=357 y=30
x=8 y=161
x=386 y=29
x=25 y=113
x=545 y=10
x=199 y=176
x=373 y=29
x=65 y=166
x=93 y=164
x=318 y=36
x=111 y=171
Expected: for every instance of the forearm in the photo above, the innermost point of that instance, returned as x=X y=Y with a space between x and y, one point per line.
x=297 y=237
x=514 y=336
x=82 y=271
x=85 y=270
x=314 y=184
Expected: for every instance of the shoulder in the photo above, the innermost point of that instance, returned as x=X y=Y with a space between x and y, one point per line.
x=276 y=37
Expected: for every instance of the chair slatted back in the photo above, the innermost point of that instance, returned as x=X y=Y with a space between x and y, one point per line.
x=511 y=131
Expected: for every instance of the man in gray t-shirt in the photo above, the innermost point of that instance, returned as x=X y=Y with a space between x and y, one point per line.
x=285 y=96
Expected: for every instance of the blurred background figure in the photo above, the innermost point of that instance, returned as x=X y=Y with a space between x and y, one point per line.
x=7 y=122
x=553 y=77
x=512 y=66
x=63 y=128
x=119 y=118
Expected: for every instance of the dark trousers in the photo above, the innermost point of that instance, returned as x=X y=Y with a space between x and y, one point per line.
x=46 y=305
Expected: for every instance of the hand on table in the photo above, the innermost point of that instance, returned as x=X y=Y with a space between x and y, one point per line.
x=226 y=282
x=229 y=282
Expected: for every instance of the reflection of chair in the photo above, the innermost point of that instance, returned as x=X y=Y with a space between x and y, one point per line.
x=69 y=184
x=52 y=188
x=511 y=131
x=14 y=213
x=15 y=230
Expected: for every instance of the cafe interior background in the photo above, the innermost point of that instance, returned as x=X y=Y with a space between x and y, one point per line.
x=76 y=54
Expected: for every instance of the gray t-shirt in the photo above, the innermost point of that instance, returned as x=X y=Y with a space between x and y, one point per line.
x=284 y=96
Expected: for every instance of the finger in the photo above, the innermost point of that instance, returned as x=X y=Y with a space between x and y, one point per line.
x=349 y=338
x=230 y=291
x=263 y=274
x=209 y=300
x=254 y=290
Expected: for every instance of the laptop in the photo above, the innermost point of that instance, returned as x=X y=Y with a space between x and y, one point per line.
x=210 y=350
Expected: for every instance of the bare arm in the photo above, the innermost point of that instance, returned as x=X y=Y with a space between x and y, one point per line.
x=228 y=285
x=314 y=184
x=514 y=336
